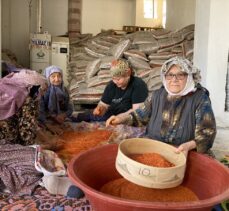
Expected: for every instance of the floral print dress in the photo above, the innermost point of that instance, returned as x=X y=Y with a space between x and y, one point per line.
x=21 y=127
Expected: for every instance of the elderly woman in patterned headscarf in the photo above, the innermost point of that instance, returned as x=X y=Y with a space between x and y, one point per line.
x=180 y=112
x=20 y=93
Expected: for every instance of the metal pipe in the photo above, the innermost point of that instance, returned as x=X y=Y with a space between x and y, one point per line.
x=227 y=87
x=39 y=4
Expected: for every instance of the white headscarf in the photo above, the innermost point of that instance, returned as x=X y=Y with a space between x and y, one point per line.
x=52 y=69
x=185 y=66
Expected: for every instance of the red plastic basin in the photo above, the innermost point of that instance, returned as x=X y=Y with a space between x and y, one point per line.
x=206 y=177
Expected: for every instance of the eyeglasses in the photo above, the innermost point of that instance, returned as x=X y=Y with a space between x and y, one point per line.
x=178 y=76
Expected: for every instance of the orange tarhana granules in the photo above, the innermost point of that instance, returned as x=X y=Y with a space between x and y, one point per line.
x=124 y=189
x=151 y=159
x=77 y=142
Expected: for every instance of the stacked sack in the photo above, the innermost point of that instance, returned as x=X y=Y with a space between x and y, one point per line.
x=146 y=51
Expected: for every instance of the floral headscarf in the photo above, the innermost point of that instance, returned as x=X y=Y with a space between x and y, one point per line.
x=185 y=66
x=119 y=67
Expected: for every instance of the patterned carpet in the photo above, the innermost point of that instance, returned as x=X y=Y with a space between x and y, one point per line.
x=41 y=200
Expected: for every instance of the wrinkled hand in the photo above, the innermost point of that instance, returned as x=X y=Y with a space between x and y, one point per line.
x=182 y=149
x=67 y=126
x=113 y=120
x=49 y=141
x=186 y=147
x=54 y=129
x=60 y=118
x=96 y=111
x=100 y=110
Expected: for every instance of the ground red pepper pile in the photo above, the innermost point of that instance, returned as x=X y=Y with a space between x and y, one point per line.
x=124 y=189
x=152 y=159
x=77 y=142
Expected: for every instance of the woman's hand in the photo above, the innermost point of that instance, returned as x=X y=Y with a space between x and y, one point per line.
x=186 y=147
x=60 y=118
x=54 y=129
x=49 y=141
x=113 y=120
x=100 y=110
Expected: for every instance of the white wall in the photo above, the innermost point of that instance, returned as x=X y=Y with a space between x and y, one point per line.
x=16 y=23
x=5 y=19
x=96 y=15
x=202 y=31
x=15 y=33
x=180 y=13
x=212 y=36
x=55 y=16
x=107 y=14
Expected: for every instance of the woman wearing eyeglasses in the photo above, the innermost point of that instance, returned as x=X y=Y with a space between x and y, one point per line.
x=179 y=113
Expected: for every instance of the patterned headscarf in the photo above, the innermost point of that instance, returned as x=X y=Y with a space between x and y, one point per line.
x=185 y=66
x=15 y=87
x=119 y=68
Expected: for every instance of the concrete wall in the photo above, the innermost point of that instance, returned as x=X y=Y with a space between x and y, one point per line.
x=15 y=30
x=180 y=13
x=202 y=37
x=55 y=17
x=212 y=36
x=96 y=15
x=19 y=19
x=106 y=14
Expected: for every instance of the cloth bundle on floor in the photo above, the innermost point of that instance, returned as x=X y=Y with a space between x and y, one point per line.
x=17 y=170
x=48 y=162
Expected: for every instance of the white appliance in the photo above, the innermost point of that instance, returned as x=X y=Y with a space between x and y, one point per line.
x=40 y=46
x=60 y=55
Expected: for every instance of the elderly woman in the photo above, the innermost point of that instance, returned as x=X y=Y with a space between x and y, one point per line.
x=180 y=112
x=55 y=104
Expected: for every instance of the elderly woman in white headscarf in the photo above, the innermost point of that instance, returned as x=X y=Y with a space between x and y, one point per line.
x=55 y=103
x=180 y=112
